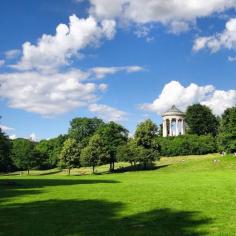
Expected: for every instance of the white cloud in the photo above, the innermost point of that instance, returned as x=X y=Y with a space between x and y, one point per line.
x=47 y=94
x=231 y=59
x=103 y=87
x=2 y=62
x=11 y=54
x=160 y=11
x=12 y=137
x=33 y=137
x=101 y=72
x=52 y=51
x=175 y=93
x=226 y=39
x=177 y=27
x=107 y=113
x=6 y=128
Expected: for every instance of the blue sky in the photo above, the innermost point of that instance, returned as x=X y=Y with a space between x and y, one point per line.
x=119 y=64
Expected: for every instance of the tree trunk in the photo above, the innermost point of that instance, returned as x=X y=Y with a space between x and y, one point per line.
x=145 y=165
x=69 y=171
x=28 y=171
x=93 y=169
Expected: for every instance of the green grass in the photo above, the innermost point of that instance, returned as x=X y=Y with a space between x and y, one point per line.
x=183 y=196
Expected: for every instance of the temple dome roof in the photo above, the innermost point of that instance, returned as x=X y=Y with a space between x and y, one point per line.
x=173 y=111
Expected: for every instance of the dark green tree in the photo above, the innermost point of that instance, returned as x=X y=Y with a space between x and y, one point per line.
x=145 y=133
x=24 y=155
x=81 y=129
x=146 y=137
x=113 y=135
x=70 y=155
x=227 y=131
x=95 y=153
x=201 y=120
x=5 y=148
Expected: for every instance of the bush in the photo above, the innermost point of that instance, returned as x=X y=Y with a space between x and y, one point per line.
x=187 y=145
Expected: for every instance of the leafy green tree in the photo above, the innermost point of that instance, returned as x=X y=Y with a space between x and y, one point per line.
x=146 y=137
x=5 y=147
x=113 y=135
x=70 y=154
x=128 y=152
x=50 y=151
x=145 y=133
x=81 y=129
x=24 y=155
x=95 y=153
x=201 y=120
x=227 y=131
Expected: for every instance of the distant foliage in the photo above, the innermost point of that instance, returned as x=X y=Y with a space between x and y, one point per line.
x=70 y=154
x=5 y=148
x=24 y=155
x=187 y=145
x=227 y=131
x=113 y=135
x=201 y=120
x=50 y=151
x=82 y=128
x=95 y=153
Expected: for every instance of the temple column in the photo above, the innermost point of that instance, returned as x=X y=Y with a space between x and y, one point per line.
x=164 y=128
x=171 y=127
x=182 y=127
x=176 y=127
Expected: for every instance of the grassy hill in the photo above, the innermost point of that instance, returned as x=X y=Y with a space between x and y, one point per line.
x=183 y=196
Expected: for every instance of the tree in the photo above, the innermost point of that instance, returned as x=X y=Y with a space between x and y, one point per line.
x=146 y=137
x=128 y=152
x=50 y=151
x=23 y=154
x=5 y=147
x=70 y=154
x=227 y=131
x=145 y=133
x=81 y=129
x=95 y=153
x=200 y=120
x=113 y=136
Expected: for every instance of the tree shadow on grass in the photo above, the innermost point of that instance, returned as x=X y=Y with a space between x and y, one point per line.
x=139 y=167
x=17 y=187
x=95 y=218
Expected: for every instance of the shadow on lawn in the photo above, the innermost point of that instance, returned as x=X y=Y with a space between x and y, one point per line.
x=16 y=187
x=95 y=217
x=139 y=167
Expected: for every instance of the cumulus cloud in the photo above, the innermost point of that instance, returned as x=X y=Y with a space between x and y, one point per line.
x=43 y=80
x=6 y=128
x=161 y=11
x=226 y=39
x=11 y=54
x=33 y=137
x=175 y=93
x=107 y=112
x=47 y=94
x=101 y=72
x=12 y=137
x=231 y=59
x=52 y=51
x=2 y=62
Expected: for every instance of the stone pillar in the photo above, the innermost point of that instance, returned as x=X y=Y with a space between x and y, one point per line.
x=164 y=128
x=170 y=126
x=182 y=126
x=176 y=127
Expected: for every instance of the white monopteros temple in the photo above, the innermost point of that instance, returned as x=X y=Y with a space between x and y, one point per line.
x=173 y=122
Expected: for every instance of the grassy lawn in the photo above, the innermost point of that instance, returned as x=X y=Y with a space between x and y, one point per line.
x=182 y=196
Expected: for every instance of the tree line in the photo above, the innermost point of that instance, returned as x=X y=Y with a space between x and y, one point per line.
x=92 y=142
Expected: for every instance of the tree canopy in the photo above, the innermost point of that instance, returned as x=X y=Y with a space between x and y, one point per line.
x=201 y=120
